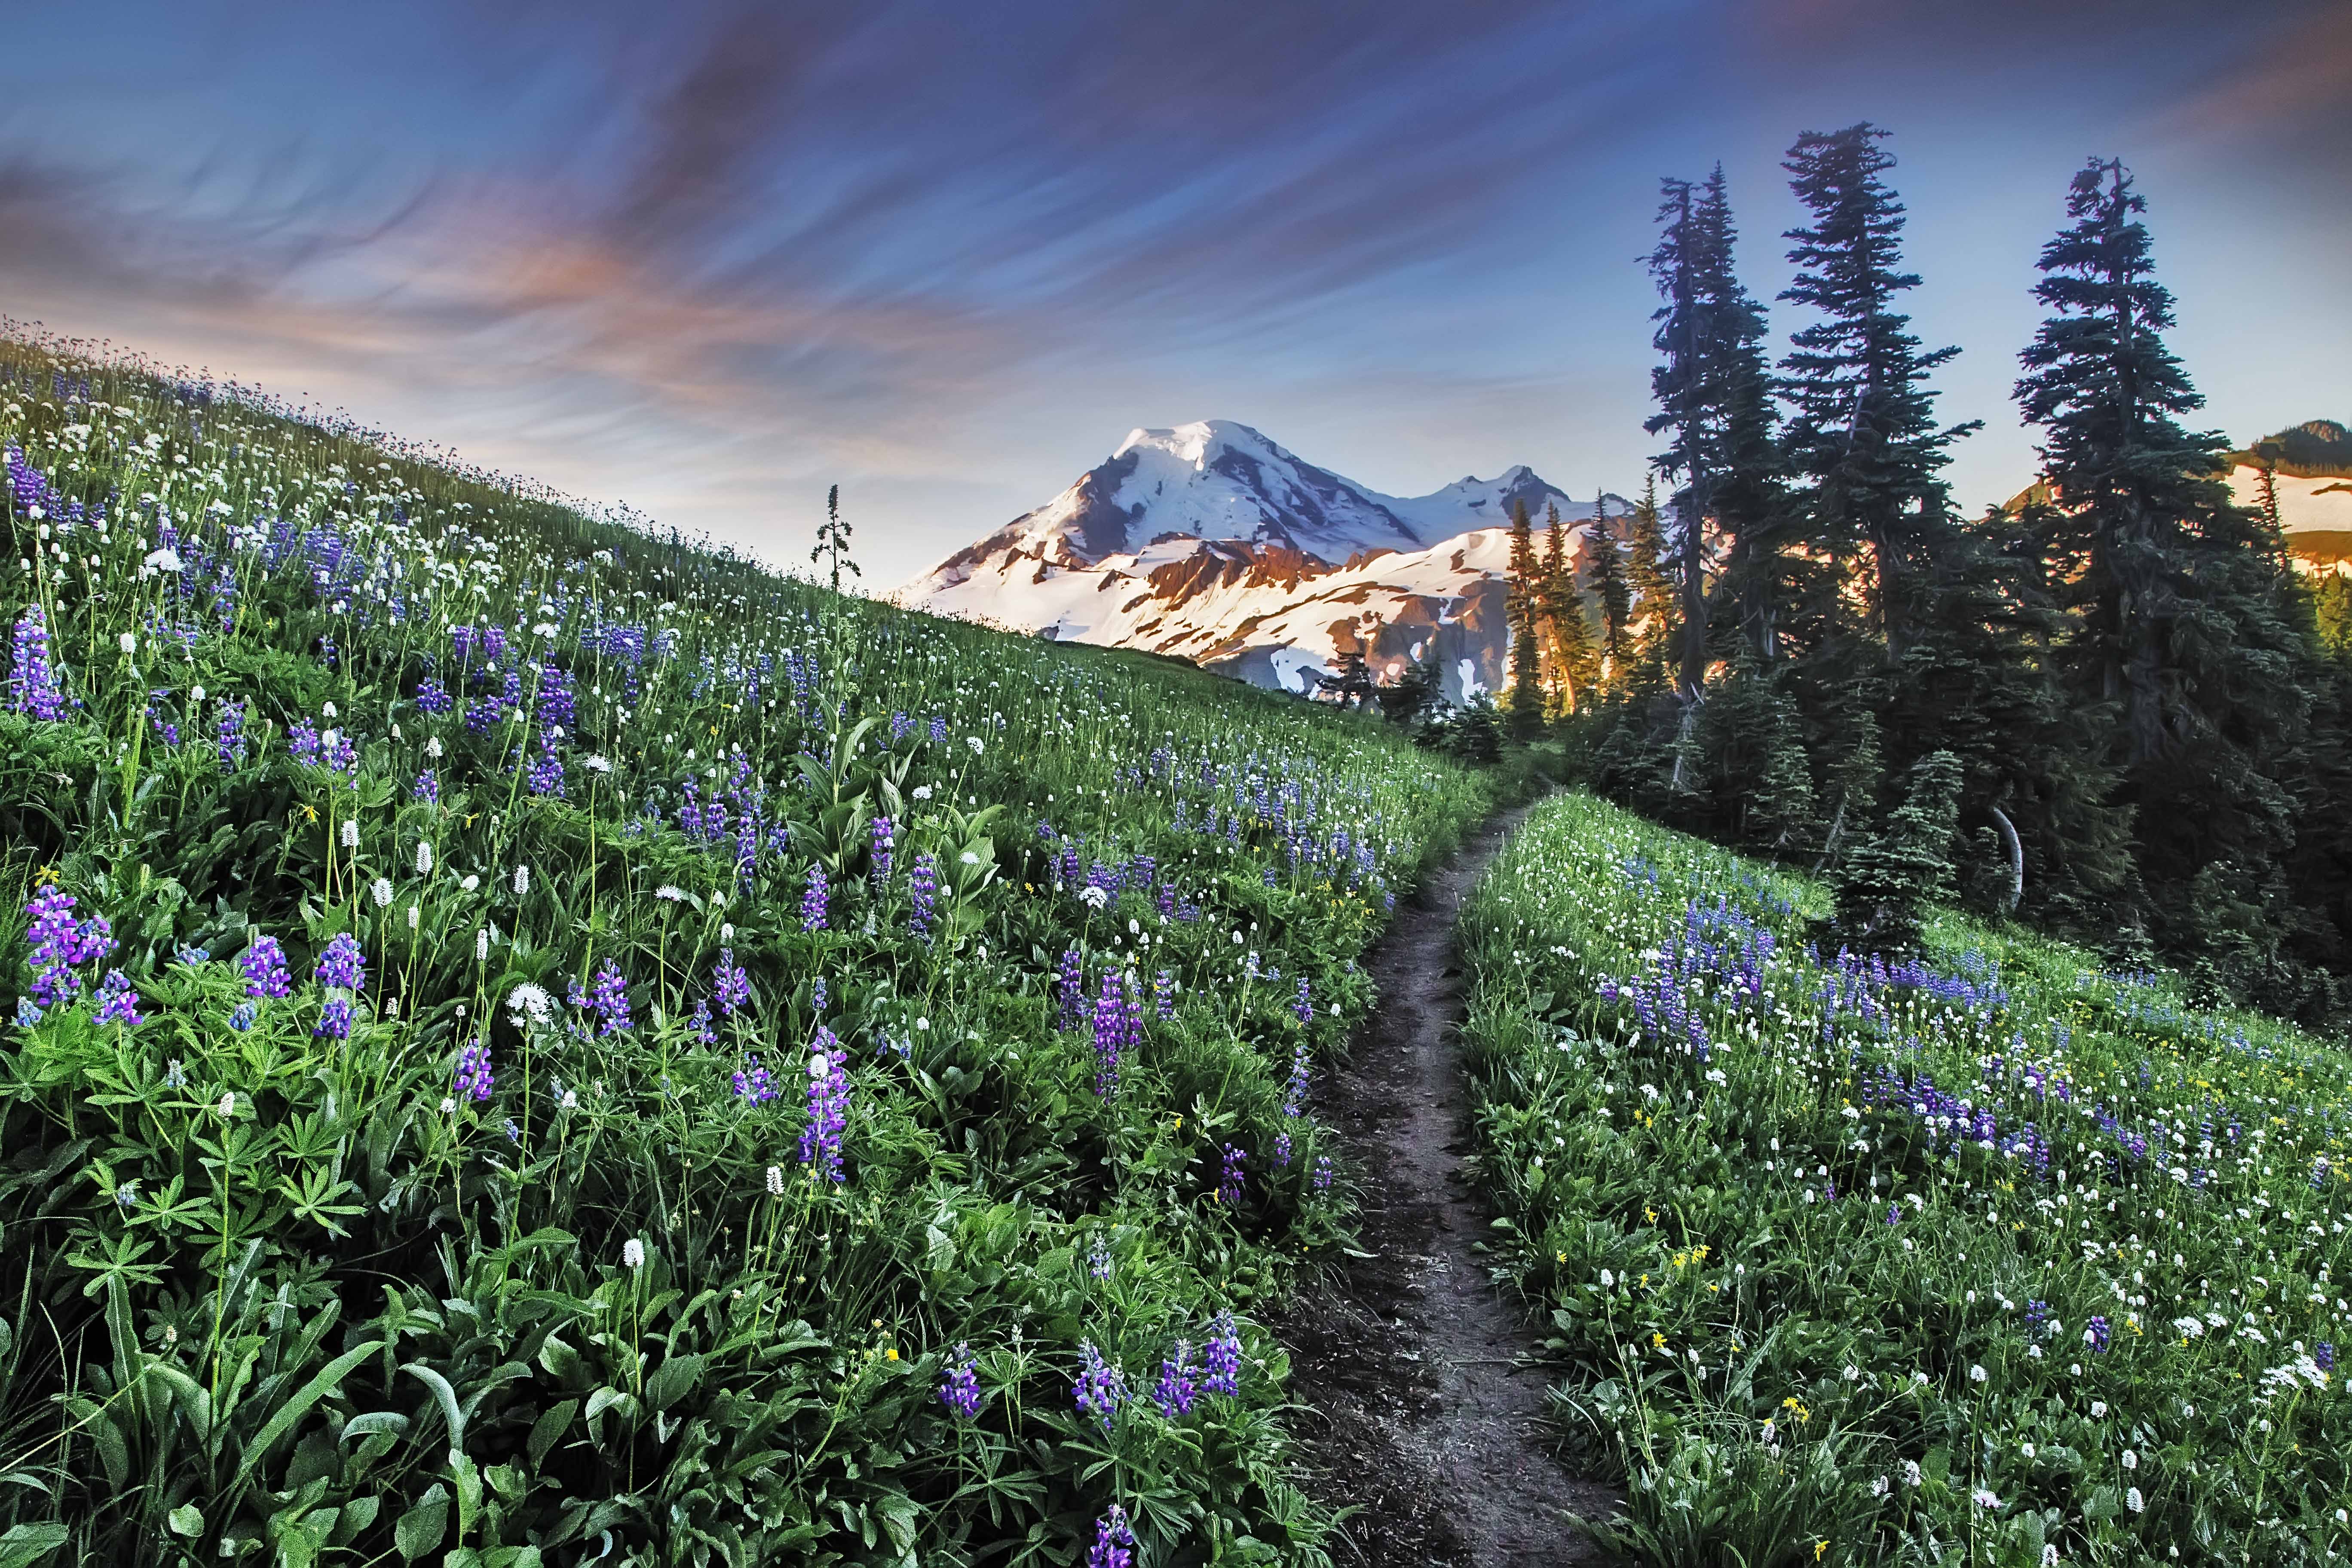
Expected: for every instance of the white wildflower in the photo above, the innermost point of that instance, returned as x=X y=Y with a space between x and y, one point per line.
x=633 y=1254
x=381 y=892
x=521 y=880
x=775 y=1181
x=350 y=833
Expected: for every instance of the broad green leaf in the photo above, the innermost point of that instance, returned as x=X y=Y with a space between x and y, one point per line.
x=422 y=1528
x=186 y=1520
x=329 y=1377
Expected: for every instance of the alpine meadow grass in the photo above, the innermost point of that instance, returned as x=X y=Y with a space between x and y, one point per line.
x=535 y=1039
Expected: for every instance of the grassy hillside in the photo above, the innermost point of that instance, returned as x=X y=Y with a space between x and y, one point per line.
x=534 y=1040
x=1994 y=1258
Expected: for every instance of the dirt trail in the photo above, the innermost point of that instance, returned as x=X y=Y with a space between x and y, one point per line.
x=1418 y=1413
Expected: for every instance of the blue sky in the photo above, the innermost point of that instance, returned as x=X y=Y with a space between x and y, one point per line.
x=710 y=259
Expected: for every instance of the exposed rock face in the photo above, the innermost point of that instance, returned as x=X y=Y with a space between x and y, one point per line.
x=1212 y=544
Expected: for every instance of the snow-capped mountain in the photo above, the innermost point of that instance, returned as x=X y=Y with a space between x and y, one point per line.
x=1212 y=544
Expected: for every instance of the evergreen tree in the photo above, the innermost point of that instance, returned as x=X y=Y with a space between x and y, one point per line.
x=1568 y=639
x=1883 y=884
x=1521 y=609
x=2187 y=621
x=1713 y=393
x=1610 y=589
x=1409 y=698
x=1648 y=572
x=1861 y=437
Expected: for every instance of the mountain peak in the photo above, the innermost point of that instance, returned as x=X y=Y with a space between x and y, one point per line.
x=1211 y=541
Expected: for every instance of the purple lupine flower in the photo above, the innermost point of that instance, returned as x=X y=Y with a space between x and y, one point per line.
x=1294 y=1093
x=1322 y=1172
x=32 y=680
x=923 y=893
x=900 y=728
x=1114 y=1541
x=1229 y=1180
x=814 y=901
x=546 y=774
x=1102 y=1388
x=960 y=1389
x=428 y=787
x=432 y=697
x=817 y=995
x=700 y=1024
x=751 y=1082
x=1176 y=1389
x=1110 y=1036
x=228 y=733
x=828 y=1106
x=1070 y=988
x=1222 y=1363
x=607 y=996
x=334 y=1019
x=1098 y=1257
x=1163 y=993
x=241 y=1018
x=939 y=729
x=883 y=841
x=117 y=1002
x=341 y=964
x=474 y=1079
x=2097 y=1335
x=1303 y=1008
x=264 y=966
x=2323 y=1355
x=1282 y=1151
x=60 y=946
x=733 y=985
x=302 y=740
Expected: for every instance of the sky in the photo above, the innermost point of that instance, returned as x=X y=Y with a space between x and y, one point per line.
x=709 y=259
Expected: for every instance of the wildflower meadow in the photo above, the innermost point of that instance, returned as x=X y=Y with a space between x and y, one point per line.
x=532 y=1038
x=1986 y=1255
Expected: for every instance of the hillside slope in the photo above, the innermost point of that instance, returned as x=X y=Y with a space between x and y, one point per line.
x=533 y=1041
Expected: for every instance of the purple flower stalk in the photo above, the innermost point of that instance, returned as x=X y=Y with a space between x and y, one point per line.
x=117 y=1002
x=1229 y=1180
x=814 y=899
x=1102 y=1388
x=923 y=892
x=1114 y=1542
x=2097 y=1335
x=264 y=966
x=1305 y=1007
x=428 y=787
x=228 y=733
x=828 y=1107
x=1282 y=1151
x=474 y=1079
x=1163 y=995
x=1098 y=1257
x=1322 y=1173
x=334 y=1019
x=734 y=986
x=1294 y=1094
x=1110 y=1036
x=341 y=964
x=1175 y=1390
x=60 y=946
x=885 y=841
x=546 y=774
x=1070 y=988
x=607 y=996
x=2323 y=1355
x=960 y=1391
x=1221 y=1362
x=32 y=679
x=751 y=1082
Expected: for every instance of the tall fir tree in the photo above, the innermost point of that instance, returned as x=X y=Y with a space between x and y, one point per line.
x=1714 y=395
x=1649 y=573
x=1610 y=590
x=1862 y=441
x=1521 y=611
x=1568 y=639
x=2190 y=635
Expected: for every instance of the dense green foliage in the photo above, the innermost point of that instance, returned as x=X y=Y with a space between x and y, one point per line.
x=2153 y=739
x=719 y=1013
x=1994 y=1257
